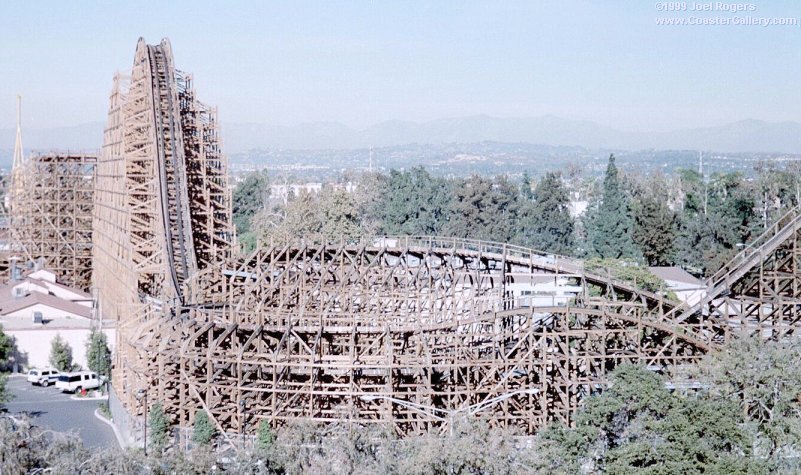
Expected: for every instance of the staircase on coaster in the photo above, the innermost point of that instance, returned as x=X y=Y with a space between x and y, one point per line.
x=759 y=290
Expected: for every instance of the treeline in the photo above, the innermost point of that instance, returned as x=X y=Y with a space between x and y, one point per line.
x=683 y=219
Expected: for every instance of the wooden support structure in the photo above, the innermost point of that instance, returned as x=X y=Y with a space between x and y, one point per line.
x=52 y=202
x=163 y=209
x=364 y=331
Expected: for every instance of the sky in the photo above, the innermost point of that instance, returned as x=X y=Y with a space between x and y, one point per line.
x=363 y=62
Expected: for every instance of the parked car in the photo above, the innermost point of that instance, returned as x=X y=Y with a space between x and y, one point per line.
x=75 y=382
x=43 y=377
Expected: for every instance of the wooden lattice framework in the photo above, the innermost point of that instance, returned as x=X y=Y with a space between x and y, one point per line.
x=362 y=331
x=330 y=331
x=52 y=201
x=162 y=201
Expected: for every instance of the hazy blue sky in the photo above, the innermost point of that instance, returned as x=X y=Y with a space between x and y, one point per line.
x=362 y=62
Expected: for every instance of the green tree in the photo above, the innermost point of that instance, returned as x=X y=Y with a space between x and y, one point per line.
x=339 y=214
x=6 y=350
x=264 y=436
x=608 y=222
x=638 y=426
x=249 y=197
x=763 y=378
x=60 y=354
x=369 y=197
x=712 y=232
x=481 y=208
x=414 y=203
x=159 y=426
x=629 y=271
x=6 y=347
x=655 y=229
x=203 y=431
x=98 y=355
x=546 y=222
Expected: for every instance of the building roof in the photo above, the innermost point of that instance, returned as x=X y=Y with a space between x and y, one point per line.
x=46 y=284
x=33 y=298
x=40 y=291
x=676 y=274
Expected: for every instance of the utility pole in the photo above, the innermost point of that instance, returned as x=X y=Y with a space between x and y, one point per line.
x=703 y=179
x=142 y=394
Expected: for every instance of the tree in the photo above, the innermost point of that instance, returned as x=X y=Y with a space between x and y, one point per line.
x=763 y=379
x=264 y=436
x=546 y=222
x=655 y=229
x=369 y=196
x=203 y=431
x=249 y=197
x=339 y=214
x=6 y=350
x=98 y=355
x=414 y=203
x=629 y=271
x=716 y=224
x=638 y=426
x=608 y=222
x=159 y=426
x=481 y=208
x=6 y=347
x=60 y=354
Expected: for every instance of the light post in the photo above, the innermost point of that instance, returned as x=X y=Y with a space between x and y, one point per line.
x=243 y=407
x=142 y=394
x=450 y=414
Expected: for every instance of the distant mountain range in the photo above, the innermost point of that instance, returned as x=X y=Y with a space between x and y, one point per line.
x=742 y=136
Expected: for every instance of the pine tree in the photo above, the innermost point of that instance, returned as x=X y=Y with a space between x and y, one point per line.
x=264 y=437
x=414 y=203
x=608 y=223
x=655 y=229
x=482 y=208
x=60 y=354
x=203 y=430
x=98 y=355
x=547 y=224
x=159 y=426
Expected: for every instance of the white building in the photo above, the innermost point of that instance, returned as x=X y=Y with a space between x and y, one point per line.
x=37 y=308
x=542 y=290
x=688 y=289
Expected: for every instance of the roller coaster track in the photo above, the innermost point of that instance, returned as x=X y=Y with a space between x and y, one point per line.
x=749 y=258
x=171 y=167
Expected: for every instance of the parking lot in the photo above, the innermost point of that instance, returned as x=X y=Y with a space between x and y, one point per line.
x=49 y=407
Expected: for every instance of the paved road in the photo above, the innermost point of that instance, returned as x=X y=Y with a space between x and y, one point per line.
x=49 y=407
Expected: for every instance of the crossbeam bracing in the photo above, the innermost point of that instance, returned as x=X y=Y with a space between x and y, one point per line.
x=52 y=202
x=334 y=330
x=163 y=207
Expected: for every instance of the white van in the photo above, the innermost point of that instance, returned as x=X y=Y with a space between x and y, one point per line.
x=44 y=377
x=74 y=382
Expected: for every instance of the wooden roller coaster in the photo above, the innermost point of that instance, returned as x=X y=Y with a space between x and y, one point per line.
x=405 y=331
